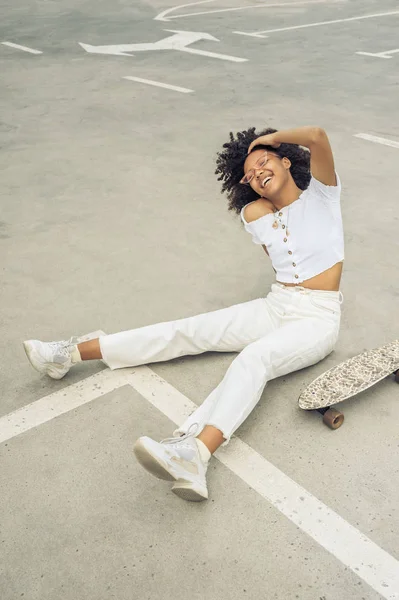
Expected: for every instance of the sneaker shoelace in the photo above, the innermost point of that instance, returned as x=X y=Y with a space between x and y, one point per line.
x=179 y=442
x=62 y=348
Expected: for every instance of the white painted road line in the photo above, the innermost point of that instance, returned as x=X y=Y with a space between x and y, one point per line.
x=162 y=15
x=386 y=54
x=368 y=561
x=320 y=23
x=377 y=140
x=356 y=551
x=176 y=88
x=214 y=55
x=24 y=48
x=59 y=403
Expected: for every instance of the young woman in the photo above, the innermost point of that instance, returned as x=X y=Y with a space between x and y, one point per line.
x=284 y=185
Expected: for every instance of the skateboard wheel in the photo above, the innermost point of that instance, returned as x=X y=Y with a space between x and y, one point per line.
x=397 y=376
x=333 y=418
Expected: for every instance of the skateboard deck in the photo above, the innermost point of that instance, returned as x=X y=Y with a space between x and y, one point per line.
x=351 y=377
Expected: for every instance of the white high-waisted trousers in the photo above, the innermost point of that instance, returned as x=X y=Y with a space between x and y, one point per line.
x=292 y=328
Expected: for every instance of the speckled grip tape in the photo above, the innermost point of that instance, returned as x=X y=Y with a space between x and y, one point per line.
x=351 y=377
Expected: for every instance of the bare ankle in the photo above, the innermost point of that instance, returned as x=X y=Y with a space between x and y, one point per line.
x=90 y=350
x=211 y=437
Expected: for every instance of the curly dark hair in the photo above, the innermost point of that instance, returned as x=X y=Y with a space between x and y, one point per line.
x=230 y=166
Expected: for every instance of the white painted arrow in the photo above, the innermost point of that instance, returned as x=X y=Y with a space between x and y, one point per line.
x=120 y=50
x=179 y=41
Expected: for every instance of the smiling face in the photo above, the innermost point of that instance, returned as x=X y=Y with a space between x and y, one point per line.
x=270 y=173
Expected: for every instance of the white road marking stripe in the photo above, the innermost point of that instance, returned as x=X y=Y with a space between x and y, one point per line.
x=366 y=559
x=24 y=48
x=176 y=88
x=380 y=55
x=261 y=33
x=214 y=55
x=386 y=54
x=59 y=403
x=161 y=16
x=377 y=140
x=355 y=550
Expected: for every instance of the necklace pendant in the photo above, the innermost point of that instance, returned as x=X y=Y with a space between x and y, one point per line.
x=275 y=225
x=287 y=233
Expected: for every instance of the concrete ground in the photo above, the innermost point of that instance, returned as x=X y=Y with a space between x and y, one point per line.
x=112 y=218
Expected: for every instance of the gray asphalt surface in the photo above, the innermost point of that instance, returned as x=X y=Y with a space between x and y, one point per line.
x=112 y=218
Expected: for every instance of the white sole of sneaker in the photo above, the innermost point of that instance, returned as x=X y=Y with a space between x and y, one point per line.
x=151 y=463
x=29 y=347
x=30 y=353
x=187 y=491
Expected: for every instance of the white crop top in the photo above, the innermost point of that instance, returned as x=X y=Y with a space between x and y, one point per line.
x=304 y=238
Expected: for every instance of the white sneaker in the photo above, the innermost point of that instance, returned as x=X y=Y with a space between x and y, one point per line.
x=51 y=358
x=175 y=459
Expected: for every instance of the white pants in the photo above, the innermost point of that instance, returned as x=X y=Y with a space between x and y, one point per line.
x=290 y=329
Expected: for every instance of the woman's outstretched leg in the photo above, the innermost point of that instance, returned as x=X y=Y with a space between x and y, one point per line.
x=226 y=330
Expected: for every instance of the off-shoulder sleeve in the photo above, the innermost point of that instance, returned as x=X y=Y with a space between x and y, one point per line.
x=257 y=228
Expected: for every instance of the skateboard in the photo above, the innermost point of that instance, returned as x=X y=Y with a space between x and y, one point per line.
x=348 y=379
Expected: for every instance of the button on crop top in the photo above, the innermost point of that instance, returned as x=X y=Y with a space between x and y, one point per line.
x=304 y=238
